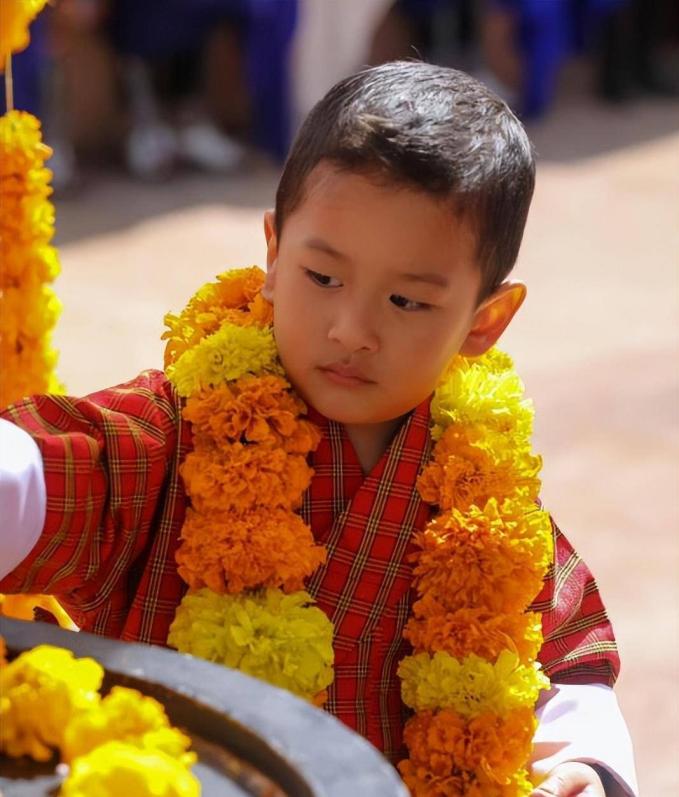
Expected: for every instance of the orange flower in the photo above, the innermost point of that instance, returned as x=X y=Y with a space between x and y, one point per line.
x=254 y=409
x=237 y=477
x=464 y=472
x=453 y=758
x=473 y=630
x=500 y=553
x=264 y=548
x=235 y=297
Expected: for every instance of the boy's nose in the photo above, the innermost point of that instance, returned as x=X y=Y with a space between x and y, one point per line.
x=354 y=331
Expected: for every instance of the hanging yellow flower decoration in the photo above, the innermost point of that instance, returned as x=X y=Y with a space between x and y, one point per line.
x=15 y=17
x=29 y=308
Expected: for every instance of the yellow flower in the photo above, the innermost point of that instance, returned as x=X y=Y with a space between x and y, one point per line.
x=41 y=691
x=28 y=306
x=471 y=686
x=279 y=638
x=235 y=298
x=125 y=715
x=116 y=769
x=473 y=394
x=15 y=17
x=226 y=355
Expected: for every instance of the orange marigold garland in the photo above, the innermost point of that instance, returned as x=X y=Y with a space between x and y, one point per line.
x=473 y=679
x=245 y=553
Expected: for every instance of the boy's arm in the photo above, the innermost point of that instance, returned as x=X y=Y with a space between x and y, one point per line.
x=583 y=722
x=579 y=717
x=105 y=460
x=22 y=495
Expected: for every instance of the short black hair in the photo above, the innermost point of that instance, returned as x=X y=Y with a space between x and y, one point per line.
x=431 y=128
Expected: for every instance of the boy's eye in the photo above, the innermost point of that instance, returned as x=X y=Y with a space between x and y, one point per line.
x=323 y=280
x=407 y=304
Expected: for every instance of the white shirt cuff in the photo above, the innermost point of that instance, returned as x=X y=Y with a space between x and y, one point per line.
x=22 y=495
x=583 y=722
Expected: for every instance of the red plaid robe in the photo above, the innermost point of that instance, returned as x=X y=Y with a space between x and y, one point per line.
x=115 y=506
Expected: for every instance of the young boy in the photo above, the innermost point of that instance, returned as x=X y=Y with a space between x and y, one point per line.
x=399 y=216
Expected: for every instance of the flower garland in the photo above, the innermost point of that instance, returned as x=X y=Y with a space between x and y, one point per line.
x=245 y=552
x=472 y=679
x=29 y=308
x=119 y=744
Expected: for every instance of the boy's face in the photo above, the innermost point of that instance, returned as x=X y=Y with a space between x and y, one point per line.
x=374 y=289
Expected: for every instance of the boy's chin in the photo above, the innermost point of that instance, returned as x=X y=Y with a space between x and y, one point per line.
x=359 y=414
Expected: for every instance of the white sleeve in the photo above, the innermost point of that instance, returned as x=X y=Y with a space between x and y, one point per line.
x=583 y=722
x=22 y=496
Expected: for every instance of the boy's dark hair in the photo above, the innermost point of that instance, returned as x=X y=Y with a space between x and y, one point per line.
x=432 y=128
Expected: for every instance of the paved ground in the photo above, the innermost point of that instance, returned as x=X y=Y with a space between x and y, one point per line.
x=598 y=344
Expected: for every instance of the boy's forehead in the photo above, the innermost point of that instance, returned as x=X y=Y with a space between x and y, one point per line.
x=346 y=210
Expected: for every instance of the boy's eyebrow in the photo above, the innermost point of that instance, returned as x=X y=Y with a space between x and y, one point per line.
x=323 y=246
x=428 y=277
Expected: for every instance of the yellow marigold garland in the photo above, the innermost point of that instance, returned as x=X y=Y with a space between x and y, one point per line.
x=29 y=308
x=120 y=744
x=472 y=679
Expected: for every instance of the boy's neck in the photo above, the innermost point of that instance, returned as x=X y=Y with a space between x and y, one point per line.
x=371 y=440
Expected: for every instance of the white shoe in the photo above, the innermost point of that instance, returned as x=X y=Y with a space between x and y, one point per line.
x=203 y=145
x=151 y=151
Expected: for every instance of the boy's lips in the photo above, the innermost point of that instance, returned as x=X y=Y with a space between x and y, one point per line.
x=345 y=374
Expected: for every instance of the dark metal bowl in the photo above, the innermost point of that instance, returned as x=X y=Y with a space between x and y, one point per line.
x=251 y=738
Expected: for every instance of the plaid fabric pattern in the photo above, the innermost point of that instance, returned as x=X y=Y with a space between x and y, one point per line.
x=116 y=506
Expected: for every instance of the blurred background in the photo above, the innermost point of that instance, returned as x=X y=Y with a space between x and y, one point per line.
x=169 y=120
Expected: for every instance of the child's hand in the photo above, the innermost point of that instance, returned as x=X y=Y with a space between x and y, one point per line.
x=571 y=779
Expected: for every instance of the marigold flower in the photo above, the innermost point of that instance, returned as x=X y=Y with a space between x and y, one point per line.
x=3 y=652
x=263 y=548
x=279 y=638
x=227 y=354
x=28 y=306
x=473 y=630
x=465 y=472
x=116 y=769
x=475 y=395
x=501 y=553
x=235 y=297
x=41 y=691
x=125 y=715
x=255 y=409
x=15 y=17
x=470 y=686
x=453 y=757
x=239 y=478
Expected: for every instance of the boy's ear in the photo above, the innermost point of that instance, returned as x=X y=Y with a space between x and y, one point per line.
x=492 y=317
x=271 y=253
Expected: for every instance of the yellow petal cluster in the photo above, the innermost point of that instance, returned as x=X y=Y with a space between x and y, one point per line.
x=116 y=769
x=41 y=691
x=121 y=744
x=28 y=306
x=224 y=356
x=470 y=686
x=473 y=678
x=15 y=17
x=279 y=638
x=125 y=715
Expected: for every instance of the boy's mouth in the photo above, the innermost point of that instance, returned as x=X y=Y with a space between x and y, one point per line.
x=342 y=374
